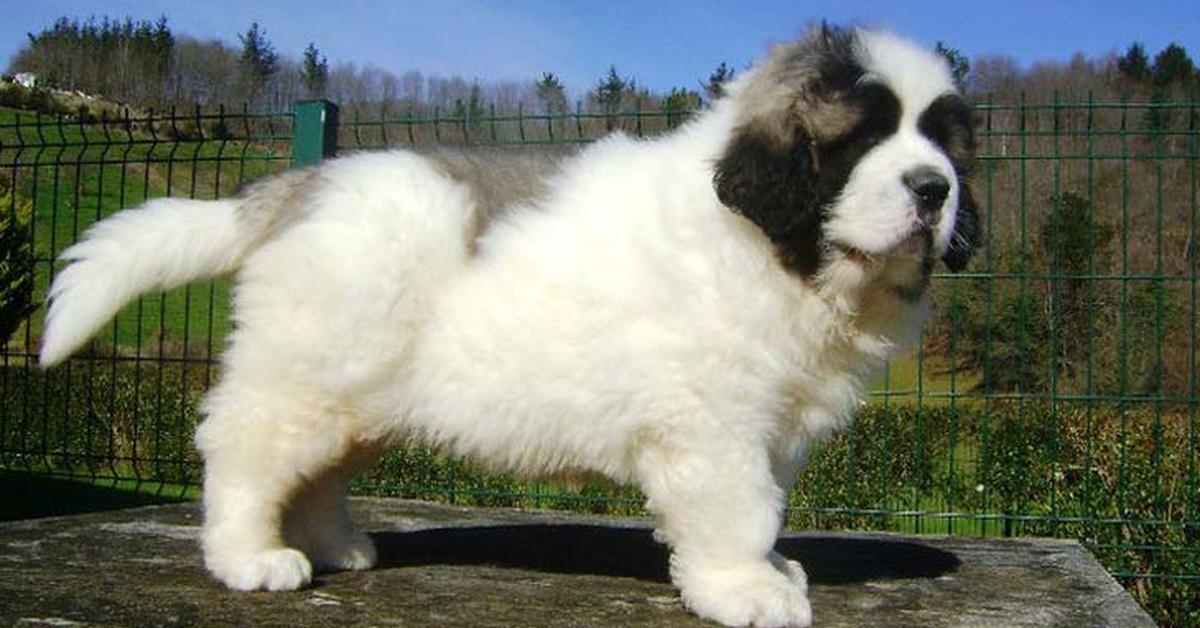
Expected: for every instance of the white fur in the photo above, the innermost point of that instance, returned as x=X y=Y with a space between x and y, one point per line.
x=154 y=247
x=884 y=215
x=627 y=324
x=919 y=74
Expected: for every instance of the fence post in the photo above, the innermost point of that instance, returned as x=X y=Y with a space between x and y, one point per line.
x=314 y=131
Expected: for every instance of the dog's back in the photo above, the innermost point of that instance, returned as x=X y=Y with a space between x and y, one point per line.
x=501 y=178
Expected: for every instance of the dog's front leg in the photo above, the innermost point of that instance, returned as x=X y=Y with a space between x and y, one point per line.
x=720 y=509
x=787 y=459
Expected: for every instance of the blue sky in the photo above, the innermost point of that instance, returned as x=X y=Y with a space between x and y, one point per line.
x=662 y=43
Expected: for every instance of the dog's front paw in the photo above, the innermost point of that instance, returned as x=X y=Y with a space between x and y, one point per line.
x=755 y=594
x=274 y=570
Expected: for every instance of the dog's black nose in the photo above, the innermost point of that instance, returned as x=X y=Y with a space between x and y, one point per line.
x=930 y=189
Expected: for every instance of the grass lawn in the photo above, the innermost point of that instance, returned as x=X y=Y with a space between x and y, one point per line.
x=925 y=377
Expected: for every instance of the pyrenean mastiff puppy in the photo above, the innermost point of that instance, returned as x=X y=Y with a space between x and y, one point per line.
x=687 y=314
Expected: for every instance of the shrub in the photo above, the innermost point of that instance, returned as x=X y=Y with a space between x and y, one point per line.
x=16 y=259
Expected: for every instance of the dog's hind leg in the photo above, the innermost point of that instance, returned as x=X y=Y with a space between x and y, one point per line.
x=326 y=314
x=261 y=453
x=318 y=519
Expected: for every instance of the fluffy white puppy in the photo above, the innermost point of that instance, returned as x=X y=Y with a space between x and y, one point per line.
x=686 y=314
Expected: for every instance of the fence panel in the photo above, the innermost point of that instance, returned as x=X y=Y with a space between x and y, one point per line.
x=124 y=409
x=1054 y=393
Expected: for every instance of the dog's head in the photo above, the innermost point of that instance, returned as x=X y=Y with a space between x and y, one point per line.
x=854 y=145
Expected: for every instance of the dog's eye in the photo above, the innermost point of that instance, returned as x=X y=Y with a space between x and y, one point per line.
x=947 y=123
x=878 y=112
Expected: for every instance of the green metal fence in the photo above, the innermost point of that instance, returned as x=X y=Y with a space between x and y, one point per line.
x=1055 y=392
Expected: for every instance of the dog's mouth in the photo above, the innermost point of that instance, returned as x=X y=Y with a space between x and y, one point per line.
x=904 y=268
x=855 y=254
x=916 y=246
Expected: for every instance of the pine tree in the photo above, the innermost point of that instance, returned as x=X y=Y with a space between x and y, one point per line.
x=471 y=112
x=1134 y=65
x=122 y=60
x=551 y=93
x=258 y=62
x=314 y=71
x=608 y=94
x=960 y=66
x=679 y=105
x=1172 y=66
x=610 y=88
x=1172 y=70
x=715 y=88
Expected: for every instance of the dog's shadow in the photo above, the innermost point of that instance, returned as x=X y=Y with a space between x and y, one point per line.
x=633 y=553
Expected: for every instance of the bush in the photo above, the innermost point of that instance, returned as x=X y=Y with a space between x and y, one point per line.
x=15 y=96
x=12 y=95
x=16 y=259
x=127 y=420
x=1119 y=477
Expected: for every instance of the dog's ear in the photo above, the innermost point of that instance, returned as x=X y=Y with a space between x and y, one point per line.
x=773 y=184
x=967 y=232
x=770 y=169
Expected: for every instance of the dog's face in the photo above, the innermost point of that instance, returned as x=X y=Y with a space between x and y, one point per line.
x=854 y=145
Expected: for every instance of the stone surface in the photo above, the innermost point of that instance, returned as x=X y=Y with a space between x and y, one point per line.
x=442 y=565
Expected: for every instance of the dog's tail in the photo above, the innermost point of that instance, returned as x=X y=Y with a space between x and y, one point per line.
x=163 y=244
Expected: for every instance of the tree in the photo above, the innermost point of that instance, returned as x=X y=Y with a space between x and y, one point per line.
x=960 y=66
x=1072 y=239
x=122 y=60
x=715 y=87
x=679 y=105
x=471 y=112
x=1172 y=66
x=1134 y=65
x=551 y=93
x=1172 y=70
x=204 y=73
x=1024 y=335
x=258 y=62
x=609 y=92
x=314 y=71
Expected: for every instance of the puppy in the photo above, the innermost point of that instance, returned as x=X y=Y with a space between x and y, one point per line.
x=687 y=314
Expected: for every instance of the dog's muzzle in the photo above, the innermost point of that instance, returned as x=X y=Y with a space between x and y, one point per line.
x=929 y=189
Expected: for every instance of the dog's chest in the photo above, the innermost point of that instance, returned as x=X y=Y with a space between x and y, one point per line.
x=833 y=364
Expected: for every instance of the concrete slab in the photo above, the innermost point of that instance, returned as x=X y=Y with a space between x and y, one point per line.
x=450 y=566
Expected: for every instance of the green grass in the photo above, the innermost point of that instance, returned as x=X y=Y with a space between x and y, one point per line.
x=924 y=377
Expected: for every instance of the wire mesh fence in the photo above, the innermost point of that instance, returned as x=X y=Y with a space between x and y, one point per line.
x=1054 y=393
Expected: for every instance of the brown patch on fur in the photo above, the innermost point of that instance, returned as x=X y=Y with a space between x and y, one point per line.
x=799 y=88
x=501 y=179
x=274 y=202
